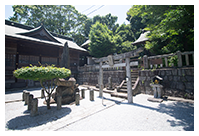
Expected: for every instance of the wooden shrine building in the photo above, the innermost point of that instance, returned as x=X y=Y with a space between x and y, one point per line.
x=25 y=45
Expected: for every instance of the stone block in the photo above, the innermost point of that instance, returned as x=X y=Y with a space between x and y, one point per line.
x=34 y=109
x=91 y=95
x=179 y=72
x=155 y=99
x=170 y=78
x=180 y=86
x=30 y=101
x=190 y=78
x=175 y=78
x=26 y=97
x=189 y=85
x=175 y=72
x=168 y=72
x=77 y=98
x=162 y=72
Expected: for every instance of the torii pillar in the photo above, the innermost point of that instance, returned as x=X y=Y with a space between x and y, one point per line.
x=128 y=80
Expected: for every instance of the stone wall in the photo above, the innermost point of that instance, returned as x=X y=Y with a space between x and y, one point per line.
x=178 y=82
x=91 y=78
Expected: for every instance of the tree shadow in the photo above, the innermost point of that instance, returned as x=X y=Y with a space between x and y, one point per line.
x=44 y=116
x=181 y=111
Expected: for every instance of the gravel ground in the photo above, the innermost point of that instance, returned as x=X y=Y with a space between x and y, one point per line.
x=115 y=115
x=142 y=115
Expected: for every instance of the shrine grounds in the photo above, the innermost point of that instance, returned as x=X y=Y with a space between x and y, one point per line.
x=114 y=114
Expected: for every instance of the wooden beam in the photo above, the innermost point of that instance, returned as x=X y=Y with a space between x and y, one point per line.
x=121 y=56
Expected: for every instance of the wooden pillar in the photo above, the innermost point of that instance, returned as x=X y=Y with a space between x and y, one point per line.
x=129 y=84
x=101 y=80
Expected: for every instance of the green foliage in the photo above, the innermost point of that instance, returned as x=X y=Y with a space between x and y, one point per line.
x=173 y=60
x=171 y=26
x=101 y=40
x=125 y=47
x=41 y=73
x=60 y=19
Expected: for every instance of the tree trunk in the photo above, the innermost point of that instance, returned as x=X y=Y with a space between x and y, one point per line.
x=48 y=102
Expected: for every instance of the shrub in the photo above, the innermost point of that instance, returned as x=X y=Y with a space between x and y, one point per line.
x=43 y=74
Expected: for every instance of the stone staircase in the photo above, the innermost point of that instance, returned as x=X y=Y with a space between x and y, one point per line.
x=122 y=89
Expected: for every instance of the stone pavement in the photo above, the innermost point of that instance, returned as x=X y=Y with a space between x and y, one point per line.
x=115 y=114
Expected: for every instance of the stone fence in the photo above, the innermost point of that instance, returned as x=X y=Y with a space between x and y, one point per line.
x=159 y=60
x=178 y=82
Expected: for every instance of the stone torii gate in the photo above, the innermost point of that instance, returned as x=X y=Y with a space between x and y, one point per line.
x=110 y=62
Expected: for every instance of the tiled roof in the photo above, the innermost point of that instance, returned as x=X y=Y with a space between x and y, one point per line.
x=20 y=31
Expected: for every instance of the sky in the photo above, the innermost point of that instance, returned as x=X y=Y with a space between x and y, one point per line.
x=92 y=10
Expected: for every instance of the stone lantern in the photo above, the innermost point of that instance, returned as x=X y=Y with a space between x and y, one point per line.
x=157 y=87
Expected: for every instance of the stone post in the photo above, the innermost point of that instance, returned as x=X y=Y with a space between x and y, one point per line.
x=77 y=97
x=83 y=93
x=166 y=61
x=91 y=95
x=30 y=101
x=26 y=97
x=179 y=59
x=42 y=93
x=34 y=109
x=187 y=59
x=146 y=63
x=101 y=80
x=110 y=83
x=23 y=95
x=129 y=83
x=59 y=99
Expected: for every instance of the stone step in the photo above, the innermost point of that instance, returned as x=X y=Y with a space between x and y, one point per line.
x=120 y=95
x=132 y=82
x=124 y=90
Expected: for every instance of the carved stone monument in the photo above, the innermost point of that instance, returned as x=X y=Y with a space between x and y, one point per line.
x=66 y=89
x=65 y=58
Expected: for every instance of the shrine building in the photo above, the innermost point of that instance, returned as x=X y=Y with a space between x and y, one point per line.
x=25 y=45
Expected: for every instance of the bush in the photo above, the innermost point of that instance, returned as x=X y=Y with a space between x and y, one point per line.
x=41 y=73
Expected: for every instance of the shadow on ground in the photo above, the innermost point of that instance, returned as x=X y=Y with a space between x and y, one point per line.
x=45 y=116
x=181 y=111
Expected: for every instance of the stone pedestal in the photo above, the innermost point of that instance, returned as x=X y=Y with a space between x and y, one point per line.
x=157 y=89
x=34 y=109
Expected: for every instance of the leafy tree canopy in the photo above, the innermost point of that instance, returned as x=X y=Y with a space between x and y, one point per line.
x=171 y=26
x=41 y=73
x=101 y=40
x=60 y=19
